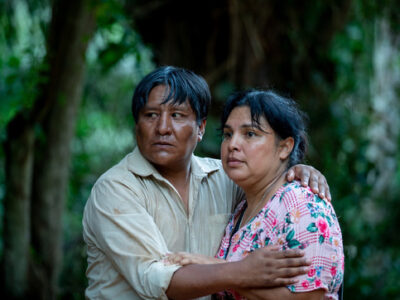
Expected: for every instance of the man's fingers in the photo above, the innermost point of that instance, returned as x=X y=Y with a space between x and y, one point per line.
x=314 y=183
x=328 y=195
x=305 y=177
x=322 y=185
x=290 y=175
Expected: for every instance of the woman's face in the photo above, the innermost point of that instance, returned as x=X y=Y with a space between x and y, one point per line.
x=251 y=155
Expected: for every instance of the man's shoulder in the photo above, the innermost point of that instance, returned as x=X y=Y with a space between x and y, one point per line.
x=119 y=181
x=209 y=162
x=118 y=172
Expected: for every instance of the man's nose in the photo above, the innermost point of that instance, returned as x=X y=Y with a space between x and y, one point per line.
x=164 y=124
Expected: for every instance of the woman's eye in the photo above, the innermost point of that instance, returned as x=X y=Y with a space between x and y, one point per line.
x=226 y=135
x=250 y=133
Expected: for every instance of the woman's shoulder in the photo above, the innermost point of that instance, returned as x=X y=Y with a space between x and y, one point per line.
x=294 y=195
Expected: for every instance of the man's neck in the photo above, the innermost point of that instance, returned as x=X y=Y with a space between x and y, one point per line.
x=180 y=179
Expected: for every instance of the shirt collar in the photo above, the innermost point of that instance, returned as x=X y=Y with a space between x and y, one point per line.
x=142 y=167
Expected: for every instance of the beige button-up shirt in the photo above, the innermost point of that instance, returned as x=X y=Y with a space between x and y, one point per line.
x=134 y=216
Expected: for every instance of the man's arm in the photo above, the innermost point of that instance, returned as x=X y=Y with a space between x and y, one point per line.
x=281 y=293
x=262 y=268
x=117 y=223
x=309 y=176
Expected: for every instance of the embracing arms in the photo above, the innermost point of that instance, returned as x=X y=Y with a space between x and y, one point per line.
x=263 y=268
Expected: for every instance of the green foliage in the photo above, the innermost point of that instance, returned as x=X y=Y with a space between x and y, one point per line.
x=341 y=117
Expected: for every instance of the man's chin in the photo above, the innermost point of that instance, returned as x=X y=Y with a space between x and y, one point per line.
x=163 y=159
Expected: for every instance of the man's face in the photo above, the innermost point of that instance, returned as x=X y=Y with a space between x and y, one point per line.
x=167 y=134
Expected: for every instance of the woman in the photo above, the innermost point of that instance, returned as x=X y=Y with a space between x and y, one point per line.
x=263 y=136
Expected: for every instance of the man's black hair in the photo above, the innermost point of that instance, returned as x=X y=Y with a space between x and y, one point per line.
x=182 y=85
x=282 y=114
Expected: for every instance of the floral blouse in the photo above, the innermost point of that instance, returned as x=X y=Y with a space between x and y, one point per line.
x=293 y=218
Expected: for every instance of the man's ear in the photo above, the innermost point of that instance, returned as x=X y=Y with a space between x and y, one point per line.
x=286 y=147
x=202 y=128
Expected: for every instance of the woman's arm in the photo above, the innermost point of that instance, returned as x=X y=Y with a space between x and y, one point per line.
x=185 y=258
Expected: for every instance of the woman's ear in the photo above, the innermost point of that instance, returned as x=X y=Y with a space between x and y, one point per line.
x=202 y=128
x=286 y=147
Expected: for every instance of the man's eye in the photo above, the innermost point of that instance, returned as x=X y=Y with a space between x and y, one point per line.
x=151 y=115
x=177 y=115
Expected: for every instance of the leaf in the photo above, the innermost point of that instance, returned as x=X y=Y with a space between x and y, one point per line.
x=321 y=239
x=290 y=235
x=312 y=227
x=293 y=244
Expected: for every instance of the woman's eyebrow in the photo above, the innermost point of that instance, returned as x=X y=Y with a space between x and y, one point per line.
x=241 y=126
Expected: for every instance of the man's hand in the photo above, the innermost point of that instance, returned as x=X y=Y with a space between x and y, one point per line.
x=268 y=267
x=310 y=176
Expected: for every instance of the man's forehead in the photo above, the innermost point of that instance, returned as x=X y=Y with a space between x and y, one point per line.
x=160 y=96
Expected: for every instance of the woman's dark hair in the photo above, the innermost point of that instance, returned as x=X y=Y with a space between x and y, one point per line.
x=282 y=114
x=182 y=84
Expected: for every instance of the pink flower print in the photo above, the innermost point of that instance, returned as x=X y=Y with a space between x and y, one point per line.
x=311 y=272
x=235 y=248
x=274 y=221
x=305 y=284
x=333 y=271
x=318 y=283
x=323 y=227
x=221 y=253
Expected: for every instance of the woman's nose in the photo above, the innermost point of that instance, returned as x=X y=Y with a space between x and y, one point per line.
x=234 y=143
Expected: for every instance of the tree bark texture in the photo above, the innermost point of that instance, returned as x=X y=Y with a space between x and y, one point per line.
x=71 y=28
x=37 y=152
x=19 y=164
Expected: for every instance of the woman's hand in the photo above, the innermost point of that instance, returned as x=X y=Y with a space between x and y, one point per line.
x=185 y=258
x=309 y=176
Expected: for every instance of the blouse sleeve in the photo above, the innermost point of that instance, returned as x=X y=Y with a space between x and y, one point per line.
x=307 y=222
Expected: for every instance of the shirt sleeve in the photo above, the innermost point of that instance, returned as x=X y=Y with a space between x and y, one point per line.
x=118 y=224
x=309 y=223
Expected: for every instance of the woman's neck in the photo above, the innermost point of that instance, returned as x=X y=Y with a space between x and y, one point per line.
x=258 y=198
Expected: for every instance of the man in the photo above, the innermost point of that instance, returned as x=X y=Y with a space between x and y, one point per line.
x=161 y=198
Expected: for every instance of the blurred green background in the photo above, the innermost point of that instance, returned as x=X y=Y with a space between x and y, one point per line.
x=67 y=74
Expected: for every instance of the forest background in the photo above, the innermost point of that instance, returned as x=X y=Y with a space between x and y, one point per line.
x=67 y=74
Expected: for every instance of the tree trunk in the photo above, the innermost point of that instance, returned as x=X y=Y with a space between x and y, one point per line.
x=19 y=164
x=37 y=152
x=72 y=26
